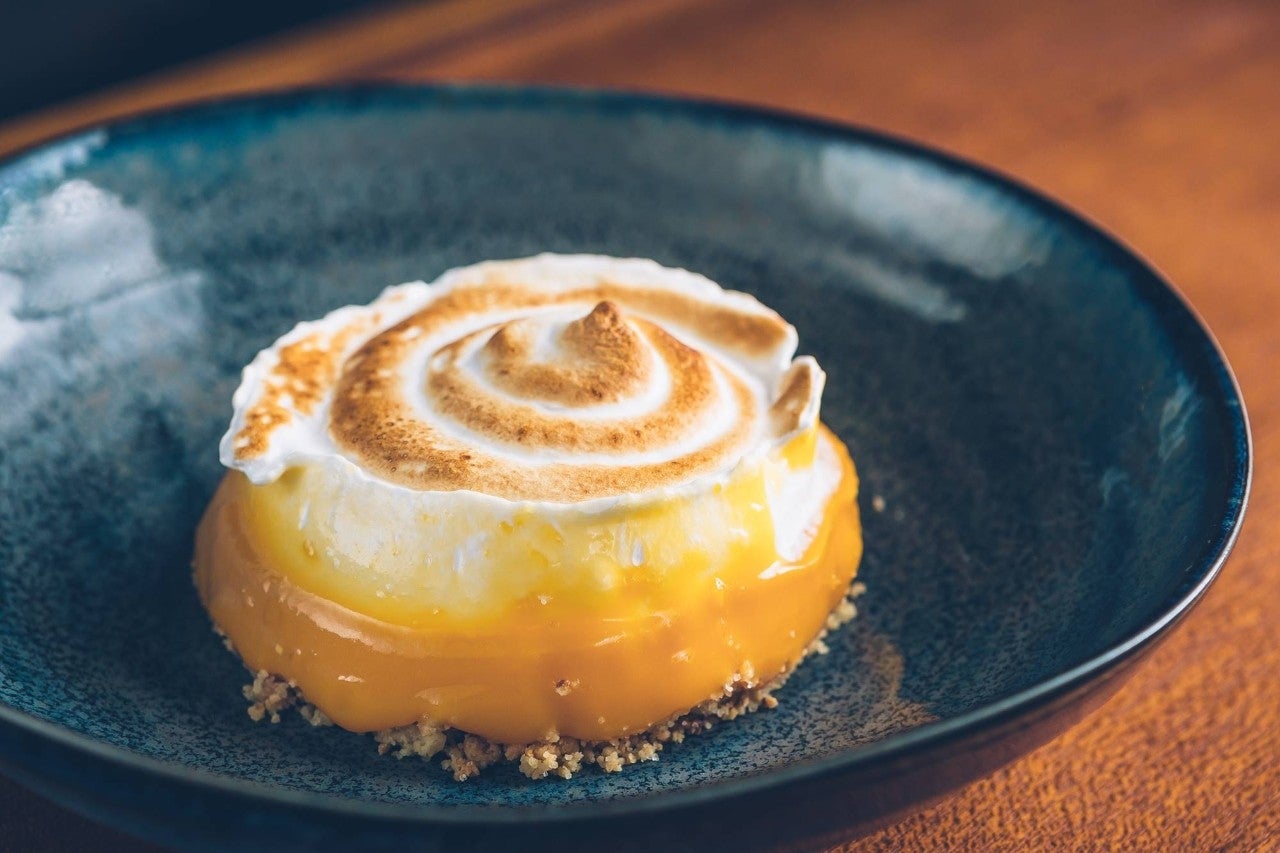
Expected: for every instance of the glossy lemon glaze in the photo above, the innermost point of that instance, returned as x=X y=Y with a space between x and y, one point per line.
x=566 y=640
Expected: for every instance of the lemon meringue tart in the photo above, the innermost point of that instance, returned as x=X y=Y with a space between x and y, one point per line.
x=558 y=511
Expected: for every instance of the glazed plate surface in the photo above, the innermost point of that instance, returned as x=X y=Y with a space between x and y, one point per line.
x=1054 y=456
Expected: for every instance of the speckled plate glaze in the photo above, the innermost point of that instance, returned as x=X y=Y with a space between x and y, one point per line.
x=1054 y=454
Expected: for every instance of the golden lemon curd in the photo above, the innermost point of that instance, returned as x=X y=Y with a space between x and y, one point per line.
x=543 y=629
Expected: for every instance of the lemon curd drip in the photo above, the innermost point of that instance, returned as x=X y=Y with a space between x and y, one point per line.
x=592 y=626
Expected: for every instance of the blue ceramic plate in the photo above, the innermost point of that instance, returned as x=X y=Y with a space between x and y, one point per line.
x=1054 y=454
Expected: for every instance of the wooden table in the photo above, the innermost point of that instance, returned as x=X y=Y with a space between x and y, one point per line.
x=1162 y=122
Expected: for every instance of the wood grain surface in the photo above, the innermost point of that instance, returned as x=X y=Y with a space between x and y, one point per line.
x=1161 y=121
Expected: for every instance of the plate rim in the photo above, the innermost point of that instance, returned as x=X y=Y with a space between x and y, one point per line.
x=1166 y=300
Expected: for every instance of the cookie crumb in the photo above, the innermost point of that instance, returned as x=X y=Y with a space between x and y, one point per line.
x=314 y=715
x=468 y=758
x=268 y=695
x=423 y=739
x=226 y=641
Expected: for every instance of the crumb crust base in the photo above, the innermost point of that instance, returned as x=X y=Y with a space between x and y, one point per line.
x=464 y=755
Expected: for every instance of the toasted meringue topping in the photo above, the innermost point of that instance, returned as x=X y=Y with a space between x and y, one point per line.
x=553 y=378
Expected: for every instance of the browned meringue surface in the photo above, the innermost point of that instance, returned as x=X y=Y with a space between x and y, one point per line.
x=496 y=383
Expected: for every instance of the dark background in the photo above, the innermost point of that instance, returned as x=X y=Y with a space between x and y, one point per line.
x=52 y=50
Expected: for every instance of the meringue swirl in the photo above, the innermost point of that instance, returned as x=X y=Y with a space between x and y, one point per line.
x=553 y=379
